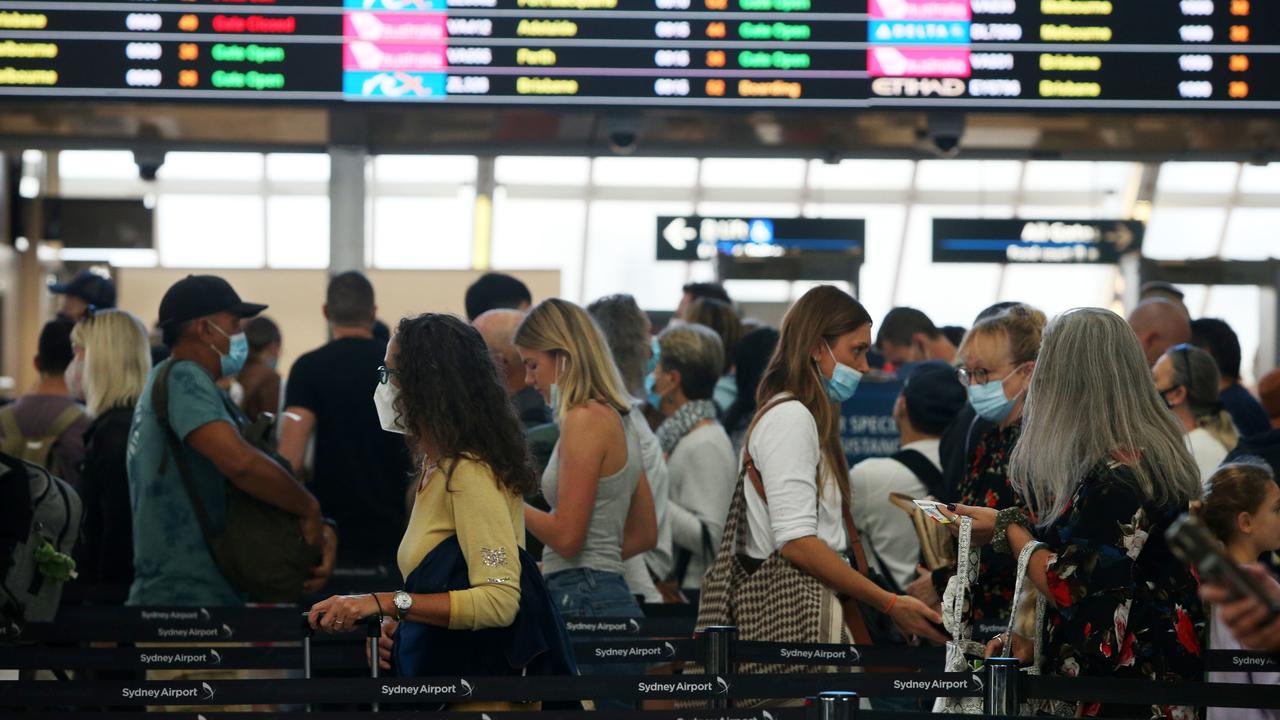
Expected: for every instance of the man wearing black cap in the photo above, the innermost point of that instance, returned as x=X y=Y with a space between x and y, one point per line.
x=200 y=317
x=87 y=289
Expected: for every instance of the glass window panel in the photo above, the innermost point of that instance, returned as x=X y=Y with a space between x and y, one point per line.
x=621 y=256
x=1260 y=178
x=425 y=168
x=210 y=230
x=419 y=232
x=1251 y=234
x=989 y=175
x=732 y=209
x=1062 y=175
x=211 y=166
x=1056 y=289
x=298 y=231
x=1055 y=212
x=97 y=164
x=1240 y=306
x=646 y=172
x=537 y=234
x=860 y=175
x=741 y=173
x=949 y=294
x=304 y=167
x=883 y=241
x=519 y=170
x=1198 y=177
x=1182 y=233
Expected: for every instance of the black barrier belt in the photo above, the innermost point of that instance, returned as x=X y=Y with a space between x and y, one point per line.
x=1143 y=692
x=328 y=657
x=458 y=689
x=207 y=625
x=638 y=651
x=854 y=655
x=1241 y=661
x=732 y=714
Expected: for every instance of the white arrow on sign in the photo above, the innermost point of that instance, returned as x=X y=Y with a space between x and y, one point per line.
x=678 y=234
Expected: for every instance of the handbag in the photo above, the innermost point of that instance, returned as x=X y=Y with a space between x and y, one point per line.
x=260 y=549
x=962 y=650
x=937 y=551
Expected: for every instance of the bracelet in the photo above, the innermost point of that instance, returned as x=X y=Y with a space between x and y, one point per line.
x=1005 y=518
x=888 y=608
x=378 y=602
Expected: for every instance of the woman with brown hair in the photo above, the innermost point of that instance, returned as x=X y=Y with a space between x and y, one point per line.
x=469 y=584
x=794 y=444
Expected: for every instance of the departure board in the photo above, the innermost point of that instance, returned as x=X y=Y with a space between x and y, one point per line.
x=963 y=54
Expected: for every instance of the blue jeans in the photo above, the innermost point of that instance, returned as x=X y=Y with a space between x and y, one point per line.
x=583 y=593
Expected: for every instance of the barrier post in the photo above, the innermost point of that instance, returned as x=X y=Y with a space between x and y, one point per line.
x=1003 y=694
x=836 y=706
x=373 y=630
x=307 y=632
x=719 y=641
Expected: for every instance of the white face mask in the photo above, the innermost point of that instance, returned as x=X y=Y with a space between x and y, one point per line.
x=384 y=398
x=74 y=375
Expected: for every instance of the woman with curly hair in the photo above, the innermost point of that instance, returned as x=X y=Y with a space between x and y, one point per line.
x=470 y=587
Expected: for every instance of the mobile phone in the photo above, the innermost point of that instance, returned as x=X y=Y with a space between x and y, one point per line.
x=930 y=508
x=1192 y=543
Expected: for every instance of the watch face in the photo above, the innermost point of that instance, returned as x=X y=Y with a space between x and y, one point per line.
x=402 y=600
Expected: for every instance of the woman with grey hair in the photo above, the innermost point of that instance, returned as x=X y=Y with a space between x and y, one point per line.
x=1104 y=470
x=700 y=457
x=1188 y=380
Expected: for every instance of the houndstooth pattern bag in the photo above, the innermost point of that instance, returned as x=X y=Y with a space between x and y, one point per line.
x=776 y=603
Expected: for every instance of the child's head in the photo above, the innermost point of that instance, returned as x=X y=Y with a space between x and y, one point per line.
x=1242 y=501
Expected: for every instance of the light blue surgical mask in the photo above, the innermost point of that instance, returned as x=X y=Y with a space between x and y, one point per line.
x=653 y=358
x=238 y=352
x=555 y=391
x=843 y=382
x=651 y=394
x=989 y=400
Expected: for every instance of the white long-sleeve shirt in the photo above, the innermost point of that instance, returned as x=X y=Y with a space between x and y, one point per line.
x=787 y=452
x=703 y=473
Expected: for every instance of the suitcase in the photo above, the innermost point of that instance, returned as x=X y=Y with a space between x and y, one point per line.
x=373 y=632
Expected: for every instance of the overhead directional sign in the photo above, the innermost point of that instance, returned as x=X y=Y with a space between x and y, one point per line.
x=704 y=238
x=1047 y=242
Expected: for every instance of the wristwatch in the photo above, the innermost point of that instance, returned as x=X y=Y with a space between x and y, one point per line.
x=403 y=602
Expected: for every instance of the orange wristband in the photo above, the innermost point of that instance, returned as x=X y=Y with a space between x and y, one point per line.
x=892 y=602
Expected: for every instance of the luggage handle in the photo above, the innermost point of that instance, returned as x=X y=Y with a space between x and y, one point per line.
x=373 y=631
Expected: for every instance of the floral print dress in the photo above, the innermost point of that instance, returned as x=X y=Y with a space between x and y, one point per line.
x=1122 y=605
x=987 y=484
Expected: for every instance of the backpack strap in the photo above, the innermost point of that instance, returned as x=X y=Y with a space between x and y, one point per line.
x=160 y=404
x=923 y=468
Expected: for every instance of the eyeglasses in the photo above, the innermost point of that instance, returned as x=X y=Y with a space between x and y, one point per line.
x=981 y=376
x=385 y=373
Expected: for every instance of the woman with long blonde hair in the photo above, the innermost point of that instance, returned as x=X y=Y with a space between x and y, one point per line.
x=602 y=510
x=794 y=444
x=109 y=370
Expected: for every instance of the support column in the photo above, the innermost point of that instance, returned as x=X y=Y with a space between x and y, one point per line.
x=482 y=225
x=346 y=208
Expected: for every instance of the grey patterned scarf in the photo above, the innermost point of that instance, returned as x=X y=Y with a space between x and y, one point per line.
x=673 y=429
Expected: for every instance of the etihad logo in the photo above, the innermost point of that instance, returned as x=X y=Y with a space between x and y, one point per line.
x=918 y=87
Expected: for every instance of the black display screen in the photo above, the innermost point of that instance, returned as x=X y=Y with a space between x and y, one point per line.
x=965 y=54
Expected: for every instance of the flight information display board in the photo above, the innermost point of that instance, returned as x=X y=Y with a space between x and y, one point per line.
x=963 y=54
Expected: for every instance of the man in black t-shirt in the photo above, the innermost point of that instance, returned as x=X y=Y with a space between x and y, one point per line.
x=359 y=472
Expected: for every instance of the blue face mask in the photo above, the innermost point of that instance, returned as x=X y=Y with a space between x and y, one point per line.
x=650 y=383
x=653 y=359
x=843 y=381
x=989 y=400
x=238 y=352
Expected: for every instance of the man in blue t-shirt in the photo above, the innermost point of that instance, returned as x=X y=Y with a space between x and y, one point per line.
x=200 y=317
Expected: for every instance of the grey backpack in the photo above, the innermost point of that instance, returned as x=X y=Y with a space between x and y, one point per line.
x=40 y=521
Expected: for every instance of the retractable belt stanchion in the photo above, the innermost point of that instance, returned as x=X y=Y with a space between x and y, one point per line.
x=834 y=706
x=307 y=632
x=1003 y=695
x=373 y=630
x=719 y=641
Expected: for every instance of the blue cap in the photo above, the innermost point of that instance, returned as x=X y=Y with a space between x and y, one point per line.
x=934 y=396
x=90 y=287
